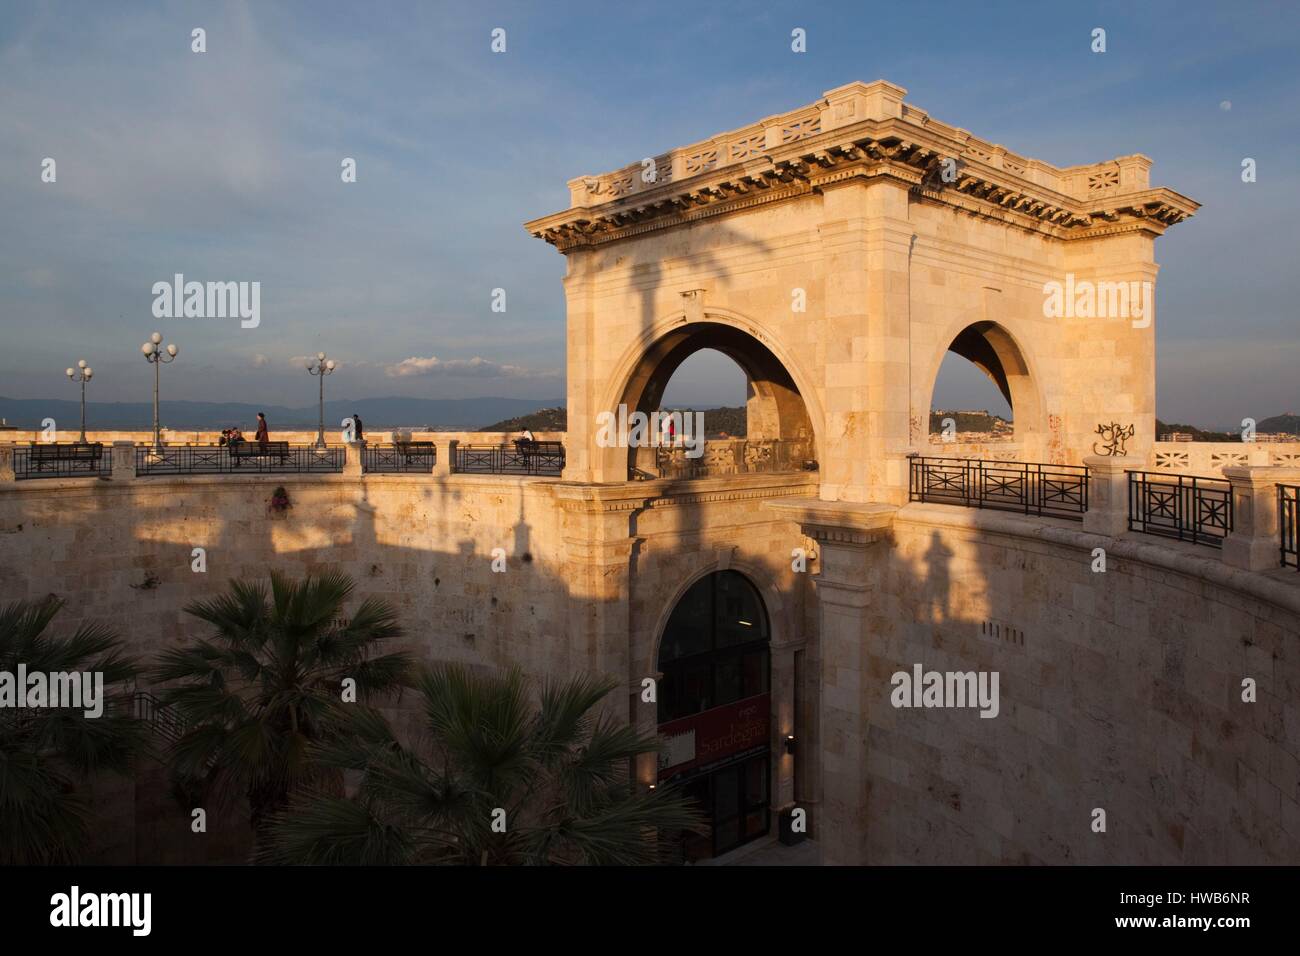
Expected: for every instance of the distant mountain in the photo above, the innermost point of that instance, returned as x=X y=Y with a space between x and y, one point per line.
x=542 y=420
x=376 y=413
x=1288 y=423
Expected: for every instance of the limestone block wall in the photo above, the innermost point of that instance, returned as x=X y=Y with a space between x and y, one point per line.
x=1118 y=690
x=120 y=552
x=587 y=588
x=713 y=526
x=1108 y=361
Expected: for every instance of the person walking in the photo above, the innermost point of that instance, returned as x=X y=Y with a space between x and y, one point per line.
x=263 y=433
x=358 y=434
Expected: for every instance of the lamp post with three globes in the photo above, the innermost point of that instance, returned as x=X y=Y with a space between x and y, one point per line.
x=82 y=374
x=155 y=353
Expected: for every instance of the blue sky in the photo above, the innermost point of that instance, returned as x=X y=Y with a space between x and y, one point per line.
x=225 y=165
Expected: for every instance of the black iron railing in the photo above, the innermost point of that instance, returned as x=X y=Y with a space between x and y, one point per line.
x=1186 y=507
x=546 y=459
x=400 y=457
x=1287 y=496
x=65 y=460
x=1032 y=488
x=249 y=459
x=161 y=718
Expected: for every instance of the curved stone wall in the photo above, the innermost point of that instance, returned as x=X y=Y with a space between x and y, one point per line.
x=121 y=552
x=1119 y=690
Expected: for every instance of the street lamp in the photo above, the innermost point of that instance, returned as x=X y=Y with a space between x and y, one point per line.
x=156 y=354
x=320 y=366
x=82 y=374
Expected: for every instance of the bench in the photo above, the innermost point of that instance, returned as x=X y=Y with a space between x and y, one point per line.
x=415 y=449
x=85 y=452
x=531 y=451
x=240 y=450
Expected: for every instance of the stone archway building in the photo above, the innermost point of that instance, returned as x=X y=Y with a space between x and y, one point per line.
x=857 y=239
x=837 y=252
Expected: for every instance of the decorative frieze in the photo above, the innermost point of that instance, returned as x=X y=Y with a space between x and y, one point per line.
x=862 y=130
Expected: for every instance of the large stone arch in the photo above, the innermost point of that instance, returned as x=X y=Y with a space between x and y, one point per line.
x=991 y=347
x=781 y=402
x=781 y=629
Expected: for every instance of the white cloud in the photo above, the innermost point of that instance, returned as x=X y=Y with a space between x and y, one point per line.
x=476 y=367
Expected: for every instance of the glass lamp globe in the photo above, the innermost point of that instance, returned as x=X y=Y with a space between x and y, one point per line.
x=71 y=373
x=320 y=356
x=156 y=338
x=88 y=372
x=330 y=365
x=147 y=348
x=81 y=363
x=172 y=350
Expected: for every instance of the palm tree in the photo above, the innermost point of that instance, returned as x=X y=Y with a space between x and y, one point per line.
x=499 y=783
x=270 y=683
x=47 y=753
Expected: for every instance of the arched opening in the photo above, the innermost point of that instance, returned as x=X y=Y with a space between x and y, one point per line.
x=712 y=384
x=778 y=430
x=982 y=390
x=714 y=709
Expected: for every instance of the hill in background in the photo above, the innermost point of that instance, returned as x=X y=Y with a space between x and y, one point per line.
x=1198 y=434
x=542 y=420
x=376 y=413
x=1288 y=423
x=969 y=421
x=717 y=421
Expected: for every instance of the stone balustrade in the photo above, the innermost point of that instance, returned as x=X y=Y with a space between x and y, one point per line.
x=847 y=105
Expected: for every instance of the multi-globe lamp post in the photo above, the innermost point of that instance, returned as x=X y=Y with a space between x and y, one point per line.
x=82 y=373
x=155 y=353
x=320 y=366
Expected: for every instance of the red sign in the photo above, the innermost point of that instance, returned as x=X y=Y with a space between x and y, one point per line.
x=715 y=734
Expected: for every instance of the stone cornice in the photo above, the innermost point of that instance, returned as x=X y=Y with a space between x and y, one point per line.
x=838 y=522
x=862 y=131
x=666 y=493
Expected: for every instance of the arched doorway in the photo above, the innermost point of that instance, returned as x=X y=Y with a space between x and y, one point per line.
x=715 y=707
x=779 y=431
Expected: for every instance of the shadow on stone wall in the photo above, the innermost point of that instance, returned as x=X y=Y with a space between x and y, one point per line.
x=123 y=554
x=1119 y=691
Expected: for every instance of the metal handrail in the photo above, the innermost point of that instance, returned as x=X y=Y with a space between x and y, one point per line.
x=1191 y=508
x=1029 y=487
